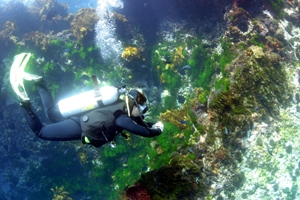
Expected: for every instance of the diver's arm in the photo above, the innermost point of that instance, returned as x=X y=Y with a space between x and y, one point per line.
x=125 y=122
x=141 y=122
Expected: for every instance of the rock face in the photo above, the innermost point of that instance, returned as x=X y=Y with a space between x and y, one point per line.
x=233 y=112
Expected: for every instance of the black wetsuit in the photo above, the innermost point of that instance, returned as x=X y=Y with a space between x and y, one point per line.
x=64 y=129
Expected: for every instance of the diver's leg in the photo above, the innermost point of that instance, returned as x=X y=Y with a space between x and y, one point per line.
x=51 y=110
x=62 y=131
x=66 y=130
x=33 y=121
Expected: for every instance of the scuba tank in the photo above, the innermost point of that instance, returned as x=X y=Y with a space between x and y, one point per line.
x=97 y=98
x=88 y=101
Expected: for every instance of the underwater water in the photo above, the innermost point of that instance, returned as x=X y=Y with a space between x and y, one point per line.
x=222 y=76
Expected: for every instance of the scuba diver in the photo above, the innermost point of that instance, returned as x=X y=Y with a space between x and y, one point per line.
x=95 y=127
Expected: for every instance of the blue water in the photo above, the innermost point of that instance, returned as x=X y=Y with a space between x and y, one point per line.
x=168 y=35
x=75 y=5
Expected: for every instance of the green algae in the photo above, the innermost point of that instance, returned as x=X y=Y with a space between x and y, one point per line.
x=278 y=6
x=259 y=81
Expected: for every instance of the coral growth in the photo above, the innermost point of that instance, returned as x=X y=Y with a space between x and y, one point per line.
x=257 y=91
x=239 y=22
x=83 y=157
x=258 y=81
x=84 y=22
x=39 y=39
x=177 y=117
x=50 y=9
x=178 y=56
x=118 y=17
x=130 y=53
x=59 y=193
x=6 y=34
x=221 y=154
x=9 y=28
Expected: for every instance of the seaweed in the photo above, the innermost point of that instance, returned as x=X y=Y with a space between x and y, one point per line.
x=278 y=6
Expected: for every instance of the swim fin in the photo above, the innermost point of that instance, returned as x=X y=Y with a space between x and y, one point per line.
x=17 y=75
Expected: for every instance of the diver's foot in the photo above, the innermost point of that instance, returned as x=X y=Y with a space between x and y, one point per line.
x=36 y=79
x=26 y=105
x=39 y=81
x=24 y=102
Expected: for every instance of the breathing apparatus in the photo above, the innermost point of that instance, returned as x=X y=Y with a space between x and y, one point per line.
x=143 y=108
x=133 y=94
x=97 y=98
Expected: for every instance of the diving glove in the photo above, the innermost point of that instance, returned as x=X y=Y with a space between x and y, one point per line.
x=159 y=125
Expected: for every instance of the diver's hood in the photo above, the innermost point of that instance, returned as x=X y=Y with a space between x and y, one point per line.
x=131 y=100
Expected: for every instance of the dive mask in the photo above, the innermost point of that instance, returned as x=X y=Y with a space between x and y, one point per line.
x=143 y=108
x=133 y=94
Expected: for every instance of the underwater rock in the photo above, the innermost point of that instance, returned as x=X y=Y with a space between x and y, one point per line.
x=168 y=59
x=252 y=165
x=289 y=148
x=293 y=18
x=272 y=143
x=84 y=22
x=51 y=15
x=238 y=179
x=238 y=156
x=275 y=187
x=239 y=23
x=297 y=98
x=137 y=192
x=220 y=198
x=244 y=195
x=118 y=16
x=279 y=34
x=297 y=108
x=38 y=39
x=25 y=153
x=259 y=141
x=174 y=181
x=181 y=99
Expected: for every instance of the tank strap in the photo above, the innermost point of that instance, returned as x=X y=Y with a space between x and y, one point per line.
x=127 y=105
x=96 y=86
x=97 y=91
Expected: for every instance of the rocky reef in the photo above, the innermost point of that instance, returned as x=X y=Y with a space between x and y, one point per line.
x=83 y=22
x=223 y=77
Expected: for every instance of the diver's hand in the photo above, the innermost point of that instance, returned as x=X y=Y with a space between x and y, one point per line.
x=159 y=125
